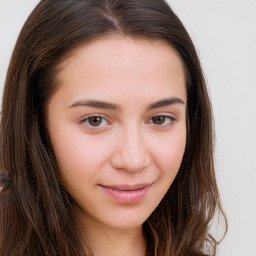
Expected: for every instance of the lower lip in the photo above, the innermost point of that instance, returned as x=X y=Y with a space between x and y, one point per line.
x=126 y=197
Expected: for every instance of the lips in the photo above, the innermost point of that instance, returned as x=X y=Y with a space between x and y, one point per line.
x=128 y=187
x=127 y=194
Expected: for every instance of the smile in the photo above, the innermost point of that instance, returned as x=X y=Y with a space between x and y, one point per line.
x=126 y=194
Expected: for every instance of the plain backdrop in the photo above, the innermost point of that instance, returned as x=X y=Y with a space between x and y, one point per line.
x=224 y=33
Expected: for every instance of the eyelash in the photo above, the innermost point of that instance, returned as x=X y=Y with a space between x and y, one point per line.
x=167 y=118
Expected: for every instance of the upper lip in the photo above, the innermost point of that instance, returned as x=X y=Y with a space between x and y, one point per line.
x=128 y=187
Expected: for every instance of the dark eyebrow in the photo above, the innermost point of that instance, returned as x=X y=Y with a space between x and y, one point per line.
x=113 y=106
x=95 y=104
x=165 y=102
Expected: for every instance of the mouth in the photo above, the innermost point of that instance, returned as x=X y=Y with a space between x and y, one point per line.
x=126 y=187
x=126 y=193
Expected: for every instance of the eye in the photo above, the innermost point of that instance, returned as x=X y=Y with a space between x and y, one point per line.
x=95 y=121
x=162 y=120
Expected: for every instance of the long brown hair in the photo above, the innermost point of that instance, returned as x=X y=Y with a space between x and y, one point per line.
x=35 y=208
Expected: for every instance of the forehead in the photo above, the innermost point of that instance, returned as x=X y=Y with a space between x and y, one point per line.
x=123 y=64
x=123 y=48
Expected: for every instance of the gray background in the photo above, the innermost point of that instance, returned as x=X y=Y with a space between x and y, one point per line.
x=224 y=33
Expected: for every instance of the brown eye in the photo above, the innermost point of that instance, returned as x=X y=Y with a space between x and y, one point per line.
x=162 y=120
x=159 y=120
x=95 y=121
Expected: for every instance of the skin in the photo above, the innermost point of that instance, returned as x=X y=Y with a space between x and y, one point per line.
x=131 y=141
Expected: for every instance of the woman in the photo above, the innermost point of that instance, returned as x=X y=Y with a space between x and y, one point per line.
x=106 y=135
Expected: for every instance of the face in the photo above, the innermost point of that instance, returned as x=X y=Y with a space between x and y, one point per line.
x=117 y=124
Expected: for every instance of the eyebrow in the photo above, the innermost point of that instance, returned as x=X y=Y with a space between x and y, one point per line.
x=113 y=106
x=166 y=102
x=95 y=104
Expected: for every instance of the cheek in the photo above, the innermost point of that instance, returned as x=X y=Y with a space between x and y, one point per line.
x=169 y=153
x=79 y=156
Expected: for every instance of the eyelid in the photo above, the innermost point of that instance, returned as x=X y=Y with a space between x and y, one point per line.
x=93 y=115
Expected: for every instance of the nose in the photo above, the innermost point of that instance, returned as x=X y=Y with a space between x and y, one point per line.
x=131 y=153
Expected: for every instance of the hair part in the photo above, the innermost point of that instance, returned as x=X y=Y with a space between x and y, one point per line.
x=35 y=208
